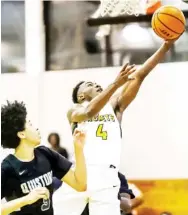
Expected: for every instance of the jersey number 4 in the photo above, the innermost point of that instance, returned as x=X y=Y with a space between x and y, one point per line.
x=101 y=133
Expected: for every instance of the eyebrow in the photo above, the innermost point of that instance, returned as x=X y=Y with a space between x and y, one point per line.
x=89 y=82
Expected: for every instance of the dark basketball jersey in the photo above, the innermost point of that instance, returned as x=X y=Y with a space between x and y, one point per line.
x=19 y=178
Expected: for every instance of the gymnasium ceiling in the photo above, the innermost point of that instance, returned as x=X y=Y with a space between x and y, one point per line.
x=70 y=37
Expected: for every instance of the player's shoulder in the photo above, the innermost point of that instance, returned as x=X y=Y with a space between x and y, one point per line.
x=73 y=108
x=43 y=152
x=43 y=149
x=47 y=152
x=5 y=164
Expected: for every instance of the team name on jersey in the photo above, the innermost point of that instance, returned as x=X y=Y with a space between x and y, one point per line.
x=102 y=118
x=41 y=181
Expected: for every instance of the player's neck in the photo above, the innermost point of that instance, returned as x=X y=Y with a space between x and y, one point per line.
x=24 y=152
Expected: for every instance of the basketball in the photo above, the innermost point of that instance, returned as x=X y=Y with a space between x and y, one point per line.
x=168 y=22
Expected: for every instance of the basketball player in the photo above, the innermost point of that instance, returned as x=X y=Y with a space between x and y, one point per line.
x=26 y=176
x=99 y=113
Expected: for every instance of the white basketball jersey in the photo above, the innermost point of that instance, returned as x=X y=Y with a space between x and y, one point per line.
x=103 y=138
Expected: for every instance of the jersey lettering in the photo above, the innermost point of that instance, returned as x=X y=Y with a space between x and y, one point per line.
x=103 y=137
x=38 y=184
x=24 y=188
x=102 y=118
x=29 y=185
x=41 y=181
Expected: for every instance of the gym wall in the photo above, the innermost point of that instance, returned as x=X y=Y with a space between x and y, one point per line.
x=154 y=126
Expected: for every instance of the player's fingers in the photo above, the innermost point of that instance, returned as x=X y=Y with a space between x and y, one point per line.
x=132 y=71
x=124 y=67
x=39 y=189
x=130 y=68
x=83 y=135
x=128 y=78
x=42 y=196
x=131 y=78
x=125 y=72
x=43 y=190
x=45 y=195
x=126 y=75
x=76 y=132
x=82 y=132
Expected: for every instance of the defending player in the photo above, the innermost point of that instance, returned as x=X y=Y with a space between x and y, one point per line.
x=99 y=113
x=26 y=176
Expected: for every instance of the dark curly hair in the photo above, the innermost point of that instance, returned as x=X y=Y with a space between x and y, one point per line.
x=75 y=92
x=56 y=136
x=13 y=119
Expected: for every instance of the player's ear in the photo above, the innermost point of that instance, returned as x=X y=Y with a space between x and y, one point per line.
x=81 y=97
x=21 y=134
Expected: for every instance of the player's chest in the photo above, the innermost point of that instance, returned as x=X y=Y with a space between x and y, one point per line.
x=103 y=120
x=31 y=176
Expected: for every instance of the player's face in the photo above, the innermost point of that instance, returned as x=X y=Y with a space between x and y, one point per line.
x=32 y=135
x=90 y=90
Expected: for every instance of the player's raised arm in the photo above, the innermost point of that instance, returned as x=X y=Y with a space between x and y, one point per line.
x=80 y=113
x=78 y=178
x=130 y=89
x=61 y=167
x=155 y=59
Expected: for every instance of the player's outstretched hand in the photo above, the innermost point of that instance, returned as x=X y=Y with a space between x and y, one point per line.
x=36 y=194
x=124 y=74
x=79 y=138
x=170 y=42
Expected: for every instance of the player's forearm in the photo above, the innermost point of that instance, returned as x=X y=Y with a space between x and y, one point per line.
x=80 y=170
x=131 y=89
x=151 y=63
x=101 y=100
x=14 y=205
